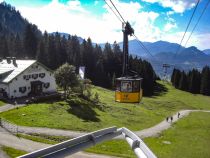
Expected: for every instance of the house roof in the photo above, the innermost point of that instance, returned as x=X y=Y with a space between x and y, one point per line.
x=11 y=70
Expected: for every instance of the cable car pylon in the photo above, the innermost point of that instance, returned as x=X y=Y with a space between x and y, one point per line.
x=128 y=87
x=165 y=71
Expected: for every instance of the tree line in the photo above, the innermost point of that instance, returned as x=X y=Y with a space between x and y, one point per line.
x=194 y=81
x=53 y=50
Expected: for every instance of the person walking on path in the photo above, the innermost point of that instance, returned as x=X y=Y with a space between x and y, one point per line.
x=166 y=119
x=178 y=114
x=171 y=118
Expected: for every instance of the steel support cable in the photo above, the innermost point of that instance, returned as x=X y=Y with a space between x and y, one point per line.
x=113 y=12
x=117 y=11
x=187 y=28
x=145 y=49
x=197 y=21
x=141 y=44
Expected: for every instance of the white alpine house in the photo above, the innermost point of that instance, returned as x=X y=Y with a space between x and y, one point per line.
x=20 y=78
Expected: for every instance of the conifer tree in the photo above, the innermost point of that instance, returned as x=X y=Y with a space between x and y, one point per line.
x=4 y=50
x=177 y=77
x=205 y=81
x=194 y=81
x=30 y=42
x=183 y=83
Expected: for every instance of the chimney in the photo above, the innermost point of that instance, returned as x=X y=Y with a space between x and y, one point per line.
x=14 y=61
x=8 y=60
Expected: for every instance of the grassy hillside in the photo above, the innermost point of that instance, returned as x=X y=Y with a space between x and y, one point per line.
x=1 y=103
x=188 y=138
x=85 y=116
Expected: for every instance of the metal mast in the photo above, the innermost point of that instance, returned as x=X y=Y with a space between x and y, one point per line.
x=127 y=30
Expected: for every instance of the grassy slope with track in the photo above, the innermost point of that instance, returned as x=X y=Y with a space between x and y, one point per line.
x=189 y=138
x=85 y=116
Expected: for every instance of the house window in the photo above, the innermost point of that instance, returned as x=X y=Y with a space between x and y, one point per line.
x=46 y=85
x=35 y=76
x=42 y=75
x=26 y=77
x=22 y=89
x=15 y=91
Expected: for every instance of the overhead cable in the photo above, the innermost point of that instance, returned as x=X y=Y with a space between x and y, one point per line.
x=117 y=11
x=187 y=28
x=197 y=22
x=113 y=11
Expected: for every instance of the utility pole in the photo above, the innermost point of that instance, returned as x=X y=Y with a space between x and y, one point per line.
x=127 y=30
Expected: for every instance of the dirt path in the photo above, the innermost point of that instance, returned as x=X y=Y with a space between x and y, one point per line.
x=155 y=130
x=7 y=139
x=152 y=131
x=9 y=107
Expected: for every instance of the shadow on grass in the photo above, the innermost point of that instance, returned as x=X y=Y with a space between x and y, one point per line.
x=159 y=90
x=83 y=111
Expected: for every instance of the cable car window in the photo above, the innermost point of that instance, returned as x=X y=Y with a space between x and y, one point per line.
x=117 y=85
x=136 y=86
x=126 y=86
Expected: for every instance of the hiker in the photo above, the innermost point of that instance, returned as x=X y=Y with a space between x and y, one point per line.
x=178 y=114
x=167 y=119
x=171 y=118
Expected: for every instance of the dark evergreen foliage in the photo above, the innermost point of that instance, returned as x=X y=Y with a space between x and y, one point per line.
x=183 y=82
x=177 y=77
x=205 y=81
x=4 y=50
x=30 y=42
x=194 y=81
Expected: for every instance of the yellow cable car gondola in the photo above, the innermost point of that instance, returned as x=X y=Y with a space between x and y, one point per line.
x=128 y=87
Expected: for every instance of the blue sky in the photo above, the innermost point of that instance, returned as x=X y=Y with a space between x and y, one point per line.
x=152 y=20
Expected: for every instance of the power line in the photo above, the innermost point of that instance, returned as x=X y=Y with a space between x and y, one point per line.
x=113 y=11
x=117 y=11
x=197 y=21
x=187 y=28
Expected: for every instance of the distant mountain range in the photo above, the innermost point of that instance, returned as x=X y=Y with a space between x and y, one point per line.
x=166 y=52
x=207 y=51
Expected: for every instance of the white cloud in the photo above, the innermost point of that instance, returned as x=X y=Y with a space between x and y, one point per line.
x=178 y=6
x=169 y=26
x=73 y=18
x=170 y=13
x=96 y=2
x=201 y=41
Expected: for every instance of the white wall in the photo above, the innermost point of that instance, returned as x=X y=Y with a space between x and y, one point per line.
x=20 y=82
